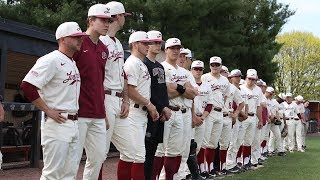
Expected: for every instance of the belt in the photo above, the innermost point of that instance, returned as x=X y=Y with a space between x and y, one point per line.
x=281 y=118
x=177 y=108
x=225 y=114
x=250 y=114
x=217 y=109
x=296 y=119
x=73 y=117
x=289 y=118
x=144 y=108
x=118 y=94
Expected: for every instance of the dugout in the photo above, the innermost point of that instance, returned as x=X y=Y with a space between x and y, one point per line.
x=314 y=107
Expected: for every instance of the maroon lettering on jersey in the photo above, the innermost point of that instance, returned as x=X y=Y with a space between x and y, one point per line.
x=91 y=60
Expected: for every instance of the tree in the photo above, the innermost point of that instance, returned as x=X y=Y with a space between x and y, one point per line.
x=299 y=62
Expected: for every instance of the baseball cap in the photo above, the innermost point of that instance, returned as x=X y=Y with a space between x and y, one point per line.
x=260 y=82
x=242 y=81
x=68 y=29
x=299 y=98
x=289 y=95
x=252 y=73
x=138 y=36
x=117 y=8
x=197 y=64
x=99 y=10
x=215 y=59
x=186 y=51
x=225 y=69
x=172 y=42
x=155 y=36
x=282 y=95
x=235 y=73
x=270 y=89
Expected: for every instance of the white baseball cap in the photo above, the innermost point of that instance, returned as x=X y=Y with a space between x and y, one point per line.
x=225 y=69
x=186 y=51
x=289 y=95
x=270 y=89
x=69 y=29
x=252 y=73
x=299 y=98
x=242 y=81
x=197 y=64
x=172 y=42
x=215 y=59
x=117 y=8
x=155 y=36
x=282 y=95
x=139 y=36
x=100 y=11
x=260 y=82
x=235 y=73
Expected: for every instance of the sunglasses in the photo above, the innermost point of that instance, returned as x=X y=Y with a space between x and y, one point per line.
x=251 y=79
x=197 y=69
x=215 y=64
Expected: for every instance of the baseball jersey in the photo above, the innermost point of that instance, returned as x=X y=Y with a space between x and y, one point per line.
x=220 y=88
x=290 y=110
x=175 y=75
x=188 y=102
x=91 y=61
x=254 y=97
x=114 y=77
x=234 y=95
x=272 y=106
x=301 y=109
x=138 y=76
x=58 y=79
x=281 y=110
x=204 y=96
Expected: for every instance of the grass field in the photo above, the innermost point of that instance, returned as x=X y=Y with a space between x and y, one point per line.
x=297 y=165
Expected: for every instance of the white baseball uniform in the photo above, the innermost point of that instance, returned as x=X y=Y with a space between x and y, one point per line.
x=138 y=76
x=58 y=79
x=114 y=83
x=303 y=130
x=273 y=105
x=294 y=124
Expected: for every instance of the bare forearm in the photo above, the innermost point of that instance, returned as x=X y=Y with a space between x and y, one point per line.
x=239 y=108
x=125 y=91
x=259 y=113
x=134 y=95
x=40 y=104
x=190 y=93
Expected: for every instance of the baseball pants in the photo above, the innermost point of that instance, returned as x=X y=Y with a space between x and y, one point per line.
x=92 y=137
x=275 y=139
x=246 y=136
x=304 y=130
x=265 y=134
x=225 y=140
x=256 y=145
x=294 y=126
x=59 y=145
x=118 y=127
x=187 y=130
x=234 y=146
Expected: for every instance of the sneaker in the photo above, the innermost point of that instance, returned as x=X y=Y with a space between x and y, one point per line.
x=264 y=157
x=235 y=170
x=206 y=175
x=281 y=153
x=247 y=167
x=239 y=164
x=225 y=172
x=216 y=174
x=256 y=166
x=260 y=161
x=301 y=150
x=291 y=151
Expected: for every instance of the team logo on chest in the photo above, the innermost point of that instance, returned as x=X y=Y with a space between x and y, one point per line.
x=72 y=77
x=104 y=55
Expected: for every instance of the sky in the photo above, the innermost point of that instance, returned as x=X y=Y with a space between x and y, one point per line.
x=306 y=18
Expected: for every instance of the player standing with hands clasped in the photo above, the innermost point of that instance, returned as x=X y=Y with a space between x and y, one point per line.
x=57 y=77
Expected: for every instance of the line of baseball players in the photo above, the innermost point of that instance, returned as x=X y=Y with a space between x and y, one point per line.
x=165 y=120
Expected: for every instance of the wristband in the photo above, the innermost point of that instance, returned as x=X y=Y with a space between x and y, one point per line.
x=180 y=89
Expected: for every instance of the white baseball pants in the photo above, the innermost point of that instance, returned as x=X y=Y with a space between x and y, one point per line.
x=256 y=145
x=226 y=133
x=234 y=146
x=213 y=129
x=275 y=142
x=294 y=126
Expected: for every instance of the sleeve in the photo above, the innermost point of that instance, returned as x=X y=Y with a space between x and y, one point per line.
x=226 y=91
x=30 y=91
x=168 y=75
x=42 y=72
x=260 y=98
x=132 y=71
x=191 y=79
x=237 y=97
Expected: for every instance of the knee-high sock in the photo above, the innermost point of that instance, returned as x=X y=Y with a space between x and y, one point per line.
x=246 y=154
x=171 y=166
x=209 y=154
x=124 y=170
x=157 y=166
x=137 y=171
x=239 y=159
x=223 y=158
x=263 y=146
x=200 y=158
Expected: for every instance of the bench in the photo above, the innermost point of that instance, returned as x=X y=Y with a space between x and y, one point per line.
x=22 y=148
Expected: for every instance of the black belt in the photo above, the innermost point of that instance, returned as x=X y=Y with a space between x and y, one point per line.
x=250 y=114
x=296 y=119
x=138 y=106
x=289 y=118
x=217 y=109
x=118 y=94
x=73 y=117
x=225 y=114
x=177 y=108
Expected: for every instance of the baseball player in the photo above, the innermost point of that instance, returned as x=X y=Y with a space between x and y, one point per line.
x=299 y=102
x=220 y=87
x=91 y=60
x=234 y=147
x=115 y=83
x=293 y=118
x=229 y=119
x=159 y=97
x=188 y=56
x=252 y=125
x=57 y=77
x=178 y=88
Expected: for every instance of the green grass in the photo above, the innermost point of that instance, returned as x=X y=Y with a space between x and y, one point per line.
x=293 y=166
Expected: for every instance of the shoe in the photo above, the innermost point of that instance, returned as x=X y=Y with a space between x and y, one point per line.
x=247 y=167
x=291 y=151
x=264 y=157
x=239 y=164
x=189 y=177
x=225 y=172
x=256 y=166
x=216 y=174
x=281 y=153
x=235 y=170
x=206 y=175
x=260 y=161
x=301 y=150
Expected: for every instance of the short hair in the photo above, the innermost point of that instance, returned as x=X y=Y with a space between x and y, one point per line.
x=88 y=19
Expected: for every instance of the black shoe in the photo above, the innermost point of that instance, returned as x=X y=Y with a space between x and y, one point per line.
x=256 y=166
x=188 y=177
x=225 y=172
x=216 y=174
x=206 y=175
x=260 y=161
x=239 y=164
x=235 y=170
x=281 y=153
x=247 y=167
